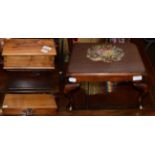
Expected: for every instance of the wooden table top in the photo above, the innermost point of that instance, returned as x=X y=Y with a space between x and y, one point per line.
x=23 y=47
x=85 y=69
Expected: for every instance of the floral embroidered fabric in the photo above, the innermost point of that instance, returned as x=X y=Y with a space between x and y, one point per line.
x=105 y=52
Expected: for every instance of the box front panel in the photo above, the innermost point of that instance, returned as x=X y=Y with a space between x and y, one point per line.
x=29 y=62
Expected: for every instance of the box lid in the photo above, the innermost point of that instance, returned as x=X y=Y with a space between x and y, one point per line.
x=24 y=101
x=23 y=47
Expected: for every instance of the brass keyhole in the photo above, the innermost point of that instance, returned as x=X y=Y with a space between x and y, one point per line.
x=27 y=112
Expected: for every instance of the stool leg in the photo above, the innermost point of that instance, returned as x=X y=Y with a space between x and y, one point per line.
x=142 y=88
x=69 y=92
x=70 y=104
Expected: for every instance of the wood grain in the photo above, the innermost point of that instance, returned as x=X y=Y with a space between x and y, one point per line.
x=29 y=62
x=27 y=54
x=27 y=47
x=29 y=101
x=29 y=104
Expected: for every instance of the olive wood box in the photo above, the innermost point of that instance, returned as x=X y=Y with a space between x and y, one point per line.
x=29 y=105
x=29 y=54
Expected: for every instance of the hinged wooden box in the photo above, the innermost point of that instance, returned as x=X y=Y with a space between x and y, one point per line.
x=29 y=104
x=29 y=54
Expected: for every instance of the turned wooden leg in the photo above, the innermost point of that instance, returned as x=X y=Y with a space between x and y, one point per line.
x=142 y=88
x=69 y=91
x=70 y=105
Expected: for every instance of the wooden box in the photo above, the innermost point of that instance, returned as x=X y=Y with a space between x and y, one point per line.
x=29 y=104
x=29 y=54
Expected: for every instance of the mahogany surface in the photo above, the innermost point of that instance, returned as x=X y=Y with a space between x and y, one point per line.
x=85 y=69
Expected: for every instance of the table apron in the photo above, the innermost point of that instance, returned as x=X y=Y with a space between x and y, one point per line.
x=112 y=78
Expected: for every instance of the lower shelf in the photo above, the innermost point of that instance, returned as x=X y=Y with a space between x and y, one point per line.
x=29 y=104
